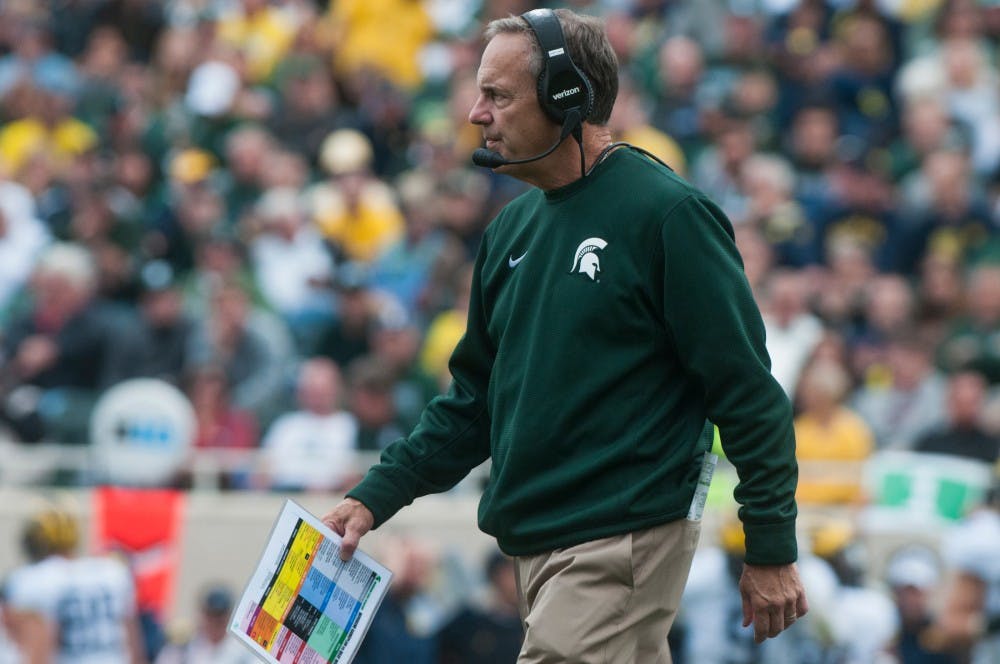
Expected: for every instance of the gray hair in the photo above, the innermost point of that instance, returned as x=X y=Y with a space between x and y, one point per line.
x=588 y=46
x=70 y=261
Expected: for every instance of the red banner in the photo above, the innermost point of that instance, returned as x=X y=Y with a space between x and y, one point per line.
x=144 y=525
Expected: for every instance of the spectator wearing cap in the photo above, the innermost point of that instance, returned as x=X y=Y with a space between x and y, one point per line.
x=191 y=209
x=164 y=330
x=355 y=210
x=248 y=149
x=210 y=643
x=913 y=574
x=395 y=340
x=348 y=336
x=372 y=401
x=292 y=267
x=312 y=447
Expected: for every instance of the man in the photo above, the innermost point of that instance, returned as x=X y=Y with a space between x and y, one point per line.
x=210 y=643
x=486 y=632
x=70 y=609
x=604 y=331
x=969 y=621
x=312 y=447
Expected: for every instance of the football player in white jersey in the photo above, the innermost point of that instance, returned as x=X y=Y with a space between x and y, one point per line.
x=72 y=609
x=10 y=650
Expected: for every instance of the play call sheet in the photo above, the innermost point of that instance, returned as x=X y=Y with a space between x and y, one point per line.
x=303 y=605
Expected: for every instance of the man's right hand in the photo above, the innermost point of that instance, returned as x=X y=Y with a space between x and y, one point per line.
x=350 y=519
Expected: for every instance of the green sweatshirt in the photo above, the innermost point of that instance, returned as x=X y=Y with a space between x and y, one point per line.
x=608 y=320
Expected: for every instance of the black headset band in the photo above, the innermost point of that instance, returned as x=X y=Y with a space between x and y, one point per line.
x=550 y=37
x=562 y=86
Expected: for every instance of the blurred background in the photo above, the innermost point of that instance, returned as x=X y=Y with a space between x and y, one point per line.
x=236 y=240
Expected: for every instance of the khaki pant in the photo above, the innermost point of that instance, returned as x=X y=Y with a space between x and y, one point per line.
x=608 y=601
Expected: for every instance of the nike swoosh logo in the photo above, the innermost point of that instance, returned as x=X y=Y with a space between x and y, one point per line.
x=511 y=261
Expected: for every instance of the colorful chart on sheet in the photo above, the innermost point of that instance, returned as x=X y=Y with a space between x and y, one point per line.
x=303 y=605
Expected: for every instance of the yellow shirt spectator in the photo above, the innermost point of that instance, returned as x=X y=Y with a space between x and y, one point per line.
x=363 y=229
x=263 y=36
x=356 y=211
x=22 y=138
x=443 y=335
x=844 y=438
x=831 y=440
x=385 y=35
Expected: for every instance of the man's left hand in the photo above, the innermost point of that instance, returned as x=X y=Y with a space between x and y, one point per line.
x=773 y=598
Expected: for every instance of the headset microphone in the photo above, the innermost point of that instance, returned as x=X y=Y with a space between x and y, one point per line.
x=491 y=159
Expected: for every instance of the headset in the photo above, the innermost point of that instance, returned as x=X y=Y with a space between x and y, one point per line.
x=564 y=91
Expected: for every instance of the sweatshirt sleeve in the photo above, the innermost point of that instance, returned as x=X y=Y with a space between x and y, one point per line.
x=453 y=434
x=719 y=334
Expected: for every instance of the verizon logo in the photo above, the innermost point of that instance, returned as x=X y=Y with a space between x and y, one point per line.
x=565 y=93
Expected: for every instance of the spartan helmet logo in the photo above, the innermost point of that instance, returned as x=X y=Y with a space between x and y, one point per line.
x=585 y=260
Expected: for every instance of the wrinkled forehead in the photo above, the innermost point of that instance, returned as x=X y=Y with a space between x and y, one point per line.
x=507 y=59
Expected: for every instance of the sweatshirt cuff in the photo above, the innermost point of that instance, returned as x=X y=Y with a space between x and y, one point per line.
x=770 y=543
x=380 y=496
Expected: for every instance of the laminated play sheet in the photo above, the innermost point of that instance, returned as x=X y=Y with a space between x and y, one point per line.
x=303 y=604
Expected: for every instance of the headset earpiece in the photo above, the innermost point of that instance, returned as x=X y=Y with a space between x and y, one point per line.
x=562 y=86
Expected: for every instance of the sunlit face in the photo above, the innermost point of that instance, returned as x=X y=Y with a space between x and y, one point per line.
x=507 y=105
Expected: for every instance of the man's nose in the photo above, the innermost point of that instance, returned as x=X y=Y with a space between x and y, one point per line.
x=479 y=114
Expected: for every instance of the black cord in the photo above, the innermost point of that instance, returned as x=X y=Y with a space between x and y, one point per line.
x=607 y=150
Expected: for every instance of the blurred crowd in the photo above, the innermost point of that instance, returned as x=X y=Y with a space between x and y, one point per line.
x=270 y=205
